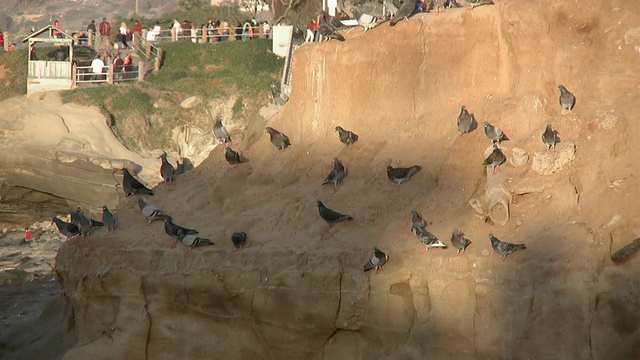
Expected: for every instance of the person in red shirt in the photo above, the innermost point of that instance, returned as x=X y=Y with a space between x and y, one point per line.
x=311 y=31
x=105 y=31
x=56 y=33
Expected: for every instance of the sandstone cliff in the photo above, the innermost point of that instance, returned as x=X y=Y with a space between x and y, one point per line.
x=294 y=294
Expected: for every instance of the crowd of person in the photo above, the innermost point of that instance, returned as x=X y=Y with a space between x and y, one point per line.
x=213 y=31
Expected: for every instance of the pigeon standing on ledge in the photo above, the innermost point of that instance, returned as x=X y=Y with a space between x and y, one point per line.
x=220 y=132
x=167 y=171
x=429 y=241
x=406 y=9
x=494 y=133
x=418 y=224
x=567 y=100
x=504 y=248
x=346 y=137
x=550 y=137
x=108 y=219
x=400 y=175
x=232 y=157
x=476 y=3
x=132 y=186
x=191 y=241
x=465 y=120
x=238 y=239
x=330 y=216
x=336 y=175
x=377 y=261
x=459 y=241
x=67 y=229
x=151 y=212
x=278 y=139
x=327 y=27
x=495 y=159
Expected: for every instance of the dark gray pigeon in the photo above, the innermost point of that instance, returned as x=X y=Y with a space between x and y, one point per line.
x=172 y=229
x=108 y=219
x=238 y=239
x=279 y=98
x=132 y=186
x=328 y=27
x=336 y=175
x=459 y=241
x=232 y=157
x=92 y=223
x=418 y=224
x=504 y=248
x=429 y=240
x=191 y=241
x=151 y=212
x=406 y=9
x=550 y=137
x=278 y=139
x=67 y=229
x=330 y=216
x=167 y=171
x=495 y=159
x=476 y=3
x=377 y=261
x=84 y=225
x=494 y=133
x=567 y=100
x=220 y=132
x=74 y=215
x=465 y=120
x=346 y=137
x=400 y=175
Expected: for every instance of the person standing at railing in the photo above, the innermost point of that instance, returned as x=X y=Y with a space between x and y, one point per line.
x=32 y=53
x=97 y=67
x=224 y=28
x=127 y=64
x=267 y=30
x=91 y=31
x=154 y=33
x=137 y=33
x=56 y=33
x=122 y=36
x=176 y=30
x=105 y=31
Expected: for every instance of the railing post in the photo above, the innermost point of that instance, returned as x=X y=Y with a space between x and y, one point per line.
x=174 y=35
x=205 y=35
x=158 y=60
x=148 y=52
x=141 y=71
x=110 y=75
x=90 y=38
x=74 y=75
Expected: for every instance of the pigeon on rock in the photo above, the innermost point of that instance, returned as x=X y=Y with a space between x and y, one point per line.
x=92 y=223
x=191 y=241
x=406 y=9
x=418 y=224
x=550 y=137
x=389 y=4
x=336 y=175
x=377 y=261
x=366 y=20
x=495 y=159
x=85 y=226
x=476 y=3
x=494 y=133
x=400 y=175
x=108 y=219
x=429 y=240
x=238 y=239
x=220 y=132
x=233 y=158
x=151 y=212
x=74 y=216
x=567 y=100
x=465 y=120
x=504 y=248
x=459 y=241
x=330 y=216
x=132 y=186
x=346 y=137
x=172 y=229
x=327 y=27
x=67 y=229
x=167 y=171
x=279 y=98
x=278 y=139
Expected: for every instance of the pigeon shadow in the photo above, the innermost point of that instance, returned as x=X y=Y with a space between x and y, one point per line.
x=474 y=125
x=183 y=167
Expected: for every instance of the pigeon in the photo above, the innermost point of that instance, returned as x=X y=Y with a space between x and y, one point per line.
x=74 y=215
x=494 y=133
x=330 y=216
x=366 y=20
x=67 y=229
x=452 y=4
x=172 y=229
x=220 y=132
x=332 y=20
x=429 y=240
x=233 y=158
x=191 y=241
x=151 y=212
x=495 y=159
x=238 y=239
x=108 y=219
x=327 y=27
x=336 y=175
x=93 y=223
x=279 y=98
x=393 y=9
x=550 y=137
x=465 y=120
x=346 y=137
x=459 y=241
x=406 y=9
x=278 y=139
x=418 y=224
x=567 y=100
x=85 y=226
x=504 y=248
x=437 y=5
x=400 y=175
x=475 y=3
x=132 y=186
x=379 y=258
x=167 y=171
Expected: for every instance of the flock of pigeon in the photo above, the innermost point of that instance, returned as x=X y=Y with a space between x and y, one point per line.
x=81 y=224
x=369 y=14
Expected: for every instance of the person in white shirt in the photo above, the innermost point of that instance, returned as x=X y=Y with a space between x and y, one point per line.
x=124 y=31
x=176 y=30
x=154 y=33
x=97 y=67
